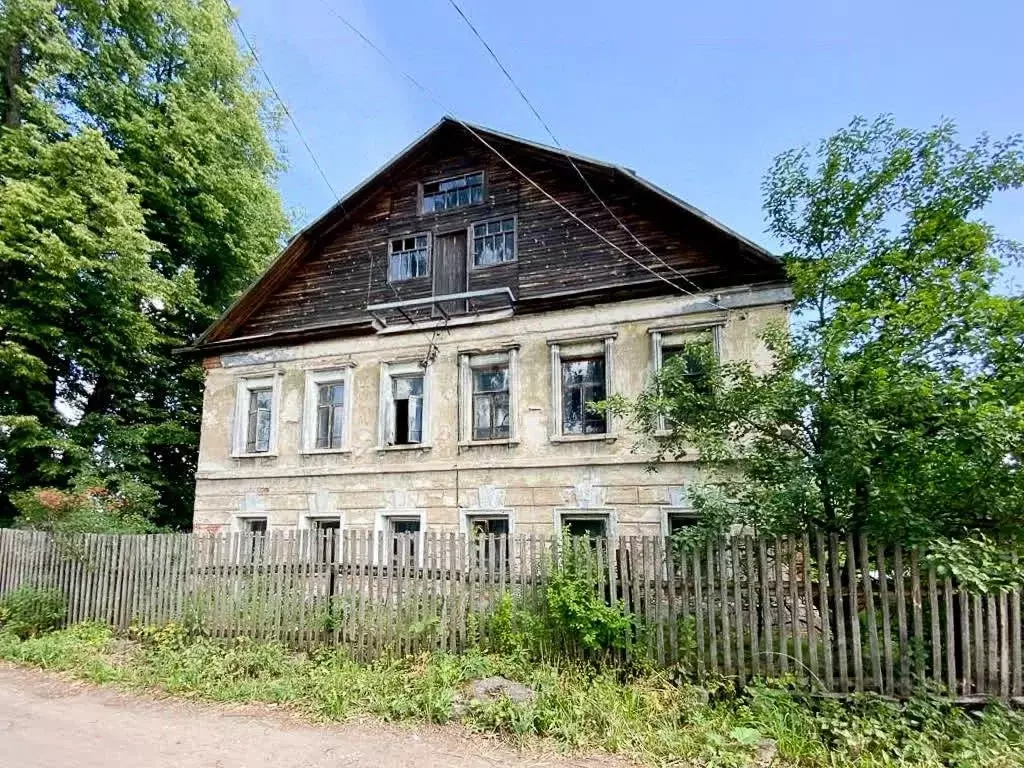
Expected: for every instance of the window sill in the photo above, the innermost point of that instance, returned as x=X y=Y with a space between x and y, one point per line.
x=479 y=443
x=320 y=451
x=607 y=438
x=265 y=455
x=413 y=447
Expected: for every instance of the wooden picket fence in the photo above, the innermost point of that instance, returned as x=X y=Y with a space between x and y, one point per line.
x=840 y=614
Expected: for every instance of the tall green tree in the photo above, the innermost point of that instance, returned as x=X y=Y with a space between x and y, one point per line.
x=160 y=90
x=894 y=405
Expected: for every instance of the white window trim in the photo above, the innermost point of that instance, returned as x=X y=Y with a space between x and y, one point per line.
x=382 y=525
x=673 y=336
x=666 y=512
x=385 y=427
x=467 y=362
x=563 y=350
x=314 y=379
x=243 y=385
x=238 y=525
x=588 y=513
x=515 y=241
x=430 y=255
x=466 y=514
x=306 y=520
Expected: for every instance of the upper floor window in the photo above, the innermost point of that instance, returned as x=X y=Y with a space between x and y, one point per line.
x=451 y=193
x=494 y=242
x=256 y=403
x=487 y=410
x=410 y=257
x=580 y=379
x=405 y=394
x=326 y=410
x=688 y=353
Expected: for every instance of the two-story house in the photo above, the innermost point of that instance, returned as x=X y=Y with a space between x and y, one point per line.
x=423 y=355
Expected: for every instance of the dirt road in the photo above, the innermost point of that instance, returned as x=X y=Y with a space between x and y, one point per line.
x=49 y=722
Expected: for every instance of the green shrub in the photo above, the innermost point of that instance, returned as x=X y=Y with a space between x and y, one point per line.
x=30 y=611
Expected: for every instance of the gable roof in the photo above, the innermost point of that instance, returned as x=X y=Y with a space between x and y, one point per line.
x=301 y=244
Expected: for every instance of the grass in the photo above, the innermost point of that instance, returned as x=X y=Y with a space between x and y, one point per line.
x=647 y=716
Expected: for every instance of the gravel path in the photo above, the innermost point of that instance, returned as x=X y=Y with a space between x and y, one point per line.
x=47 y=721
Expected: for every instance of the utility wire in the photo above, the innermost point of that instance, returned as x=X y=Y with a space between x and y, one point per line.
x=472 y=131
x=280 y=101
x=543 y=122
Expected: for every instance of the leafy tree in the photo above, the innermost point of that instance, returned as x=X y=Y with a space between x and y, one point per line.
x=159 y=91
x=894 y=405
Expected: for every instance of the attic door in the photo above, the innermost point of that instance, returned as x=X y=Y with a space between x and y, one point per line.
x=450 y=269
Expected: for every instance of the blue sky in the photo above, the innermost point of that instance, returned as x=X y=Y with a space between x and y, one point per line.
x=696 y=96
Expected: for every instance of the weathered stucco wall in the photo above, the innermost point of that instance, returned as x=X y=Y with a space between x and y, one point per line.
x=532 y=477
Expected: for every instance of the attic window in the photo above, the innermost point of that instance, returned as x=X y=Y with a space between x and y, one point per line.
x=455 y=192
x=410 y=257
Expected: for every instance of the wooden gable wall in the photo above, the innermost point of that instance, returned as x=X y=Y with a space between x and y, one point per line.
x=347 y=268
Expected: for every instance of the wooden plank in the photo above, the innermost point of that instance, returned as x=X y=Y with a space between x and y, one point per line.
x=883 y=586
x=812 y=640
x=992 y=645
x=855 y=639
x=917 y=605
x=661 y=599
x=793 y=573
x=1016 y=660
x=785 y=627
x=737 y=597
x=869 y=609
x=752 y=608
x=950 y=637
x=967 y=678
x=1004 y=645
x=936 y=635
x=723 y=584
x=711 y=609
x=826 y=621
x=837 y=600
x=672 y=654
x=901 y=621
x=698 y=610
x=977 y=624
x=766 y=607
x=683 y=611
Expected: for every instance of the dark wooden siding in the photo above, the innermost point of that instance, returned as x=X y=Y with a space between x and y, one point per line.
x=348 y=267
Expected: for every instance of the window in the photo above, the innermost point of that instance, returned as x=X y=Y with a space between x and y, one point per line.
x=679 y=520
x=580 y=377
x=410 y=257
x=405 y=548
x=451 y=193
x=404 y=398
x=326 y=411
x=583 y=385
x=253 y=525
x=487 y=409
x=256 y=416
x=589 y=523
x=494 y=242
x=407 y=404
x=327 y=532
x=481 y=528
x=249 y=547
x=687 y=353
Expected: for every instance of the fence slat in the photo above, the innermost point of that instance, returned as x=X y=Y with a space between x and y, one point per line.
x=901 y=621
x=869 y=609
x=823 y=602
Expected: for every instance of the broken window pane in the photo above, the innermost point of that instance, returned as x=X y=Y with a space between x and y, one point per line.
x=453 y=193
x=494 y=242
x=409 y=258
x=407 y=395
x=490 y=403
x=257 y=437
x=692 y=360
x=582 y=384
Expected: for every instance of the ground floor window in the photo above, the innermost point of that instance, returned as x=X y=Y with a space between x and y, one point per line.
x=585 y=523
x=482 y=529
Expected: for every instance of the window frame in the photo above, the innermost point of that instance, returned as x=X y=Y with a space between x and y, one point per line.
x=608 y=514
x=473 y=360
x=382 y=524
x=389 y=371
x=471 y=248
x=675 y=336
x=311 y=401
x=575 y=349
x=430 y=255
x=244 y=385
x=421 y=195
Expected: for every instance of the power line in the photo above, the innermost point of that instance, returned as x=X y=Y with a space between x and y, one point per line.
x=280 y=101
x=472 y=131
x=543 y=122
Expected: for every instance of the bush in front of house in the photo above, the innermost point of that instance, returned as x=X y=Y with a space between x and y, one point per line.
x=30 y=611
